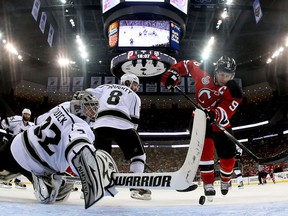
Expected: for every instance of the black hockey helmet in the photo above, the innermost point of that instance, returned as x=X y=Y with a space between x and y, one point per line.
x=226 y=64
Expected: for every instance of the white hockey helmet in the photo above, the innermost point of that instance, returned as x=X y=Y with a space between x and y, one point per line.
x=26 y=111
x=84 y=105
x=129 y=79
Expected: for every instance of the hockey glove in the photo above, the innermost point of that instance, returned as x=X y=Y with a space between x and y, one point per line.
x=170 y=78
x=217 y=115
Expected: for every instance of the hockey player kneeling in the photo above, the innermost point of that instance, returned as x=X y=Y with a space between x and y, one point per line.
x=61 y=138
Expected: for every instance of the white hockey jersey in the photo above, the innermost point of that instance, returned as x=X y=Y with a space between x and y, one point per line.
x=50 y=146
x=119 y=106
x=15 y=124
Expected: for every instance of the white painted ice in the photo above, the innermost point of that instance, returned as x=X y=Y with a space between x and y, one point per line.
x=270 y=199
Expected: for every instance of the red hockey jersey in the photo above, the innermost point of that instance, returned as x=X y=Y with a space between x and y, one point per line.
x=208 y=95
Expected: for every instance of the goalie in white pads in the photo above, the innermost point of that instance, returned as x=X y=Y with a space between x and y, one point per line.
x=62 y=139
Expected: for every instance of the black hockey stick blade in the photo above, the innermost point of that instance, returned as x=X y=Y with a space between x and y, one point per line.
x=190 y=188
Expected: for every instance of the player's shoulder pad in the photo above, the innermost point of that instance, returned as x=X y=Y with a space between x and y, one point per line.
x=234 y=89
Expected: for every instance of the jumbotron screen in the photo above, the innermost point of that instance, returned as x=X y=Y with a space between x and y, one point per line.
x=144 y=33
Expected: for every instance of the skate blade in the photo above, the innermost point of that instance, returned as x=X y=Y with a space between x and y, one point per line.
x=140 y=197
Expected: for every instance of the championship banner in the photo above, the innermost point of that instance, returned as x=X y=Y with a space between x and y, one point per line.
x=109 y=80
x=140 y=87
x=77 y=84
x=191 y=88
x=95 y=81
x=151 y=87
x=50 y=35
x=64 y=84
x=164 y=89
x=181 y=84
x=35 y=9
x=257 y=11
x=52 y=84
x=42 y=23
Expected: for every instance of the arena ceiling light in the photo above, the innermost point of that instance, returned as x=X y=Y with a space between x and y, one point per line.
x=63 y=62
x=81 y=47
x=11 y=49
x=208 y=49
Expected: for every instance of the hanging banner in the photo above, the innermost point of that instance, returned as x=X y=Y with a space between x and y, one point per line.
x=50 y=35
x=42 y=23
x=95 y=81
x=64 y=84
x=191 y=88
x=52 y=84
x=181 y=84
x=140 y=87
x=151 y=87
x=257 y=11
x=164 y=89
x=77 y=83
x=109 y=80
x=35 y=9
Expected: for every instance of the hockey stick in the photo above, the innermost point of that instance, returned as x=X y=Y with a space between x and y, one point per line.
x=181 y=179
x=274 y=160
x=230 y=136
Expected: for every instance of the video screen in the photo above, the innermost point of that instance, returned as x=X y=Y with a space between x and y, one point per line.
x=144 y=33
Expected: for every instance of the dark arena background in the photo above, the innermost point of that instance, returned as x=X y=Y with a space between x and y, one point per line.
x=50 y=48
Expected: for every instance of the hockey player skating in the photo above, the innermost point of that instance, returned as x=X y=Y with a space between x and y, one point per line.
x=117 y=121
x=263 y=171
x=62 y=138
x=220 y=96
x=14 y=125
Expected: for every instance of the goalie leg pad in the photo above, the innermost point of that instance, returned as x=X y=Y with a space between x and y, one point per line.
x=108 y=167
x=90 y=174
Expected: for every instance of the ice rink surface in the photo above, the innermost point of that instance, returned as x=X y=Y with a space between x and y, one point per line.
x=270 y=199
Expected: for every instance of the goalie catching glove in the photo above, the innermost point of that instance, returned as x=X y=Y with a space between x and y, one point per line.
x=170 y=78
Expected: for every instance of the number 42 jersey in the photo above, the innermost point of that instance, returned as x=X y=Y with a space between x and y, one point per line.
x=48 y=147
x=119 y=106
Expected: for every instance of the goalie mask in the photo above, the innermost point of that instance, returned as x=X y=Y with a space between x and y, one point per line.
x=130 y=80
x=224 y=70
x=84 y=105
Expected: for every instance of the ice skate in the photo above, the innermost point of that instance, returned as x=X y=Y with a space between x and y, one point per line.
x=6 y=184
x=224 y=187
x=209 y=192
x=241 y=185
x=19 y=184
x=140 y=194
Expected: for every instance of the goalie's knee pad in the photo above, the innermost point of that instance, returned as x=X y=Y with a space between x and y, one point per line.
x=95 y=170
x=137 y=163
x=108 y=165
